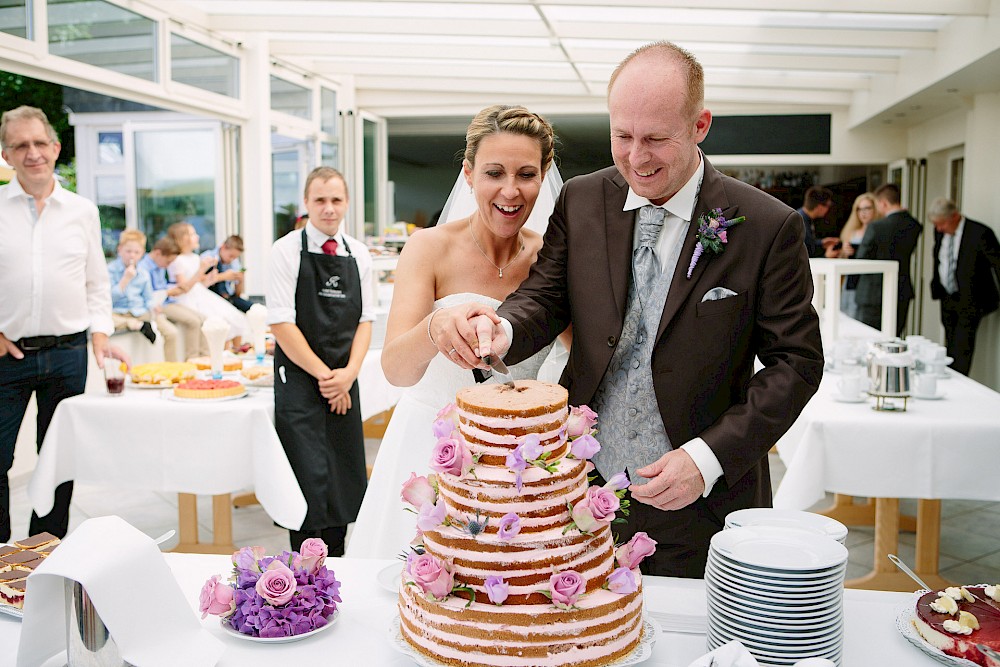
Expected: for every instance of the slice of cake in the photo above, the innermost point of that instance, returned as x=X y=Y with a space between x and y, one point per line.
x=956 y=619
x=202 y=389
x=12 y=592
x=164 y=373
x=513 y=568
x=36 y=542
x=228 y=363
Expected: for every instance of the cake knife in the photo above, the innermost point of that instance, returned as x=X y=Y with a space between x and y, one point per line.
x=500 y=368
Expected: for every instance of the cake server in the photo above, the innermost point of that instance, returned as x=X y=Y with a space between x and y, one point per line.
x=500 y=368
x=908 y=572
x=987 y=651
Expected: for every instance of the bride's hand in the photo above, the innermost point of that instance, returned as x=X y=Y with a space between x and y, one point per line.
x=454 y=331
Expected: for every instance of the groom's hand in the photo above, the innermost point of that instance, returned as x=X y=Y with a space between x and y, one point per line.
x=674 y=482
x=454 y=332
x=491 y=335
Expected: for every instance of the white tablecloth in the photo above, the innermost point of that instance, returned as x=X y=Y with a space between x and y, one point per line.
x=145 y=441
x=935 y=449
x=360 y=636
x=377 y=395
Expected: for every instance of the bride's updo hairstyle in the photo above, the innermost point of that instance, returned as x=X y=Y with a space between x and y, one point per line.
x=514 y=120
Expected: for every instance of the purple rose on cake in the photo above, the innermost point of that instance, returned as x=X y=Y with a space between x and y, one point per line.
x=431 y=516
x=622 y=581
x=584 y=447
x=496 y=589
x=618 y=482
x=510 y=526
x=597 y=509
x=566 y=587
x=635 y=550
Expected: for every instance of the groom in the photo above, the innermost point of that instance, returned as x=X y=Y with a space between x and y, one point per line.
x=663 y=350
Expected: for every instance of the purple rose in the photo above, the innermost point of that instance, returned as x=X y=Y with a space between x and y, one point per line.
x=247 y=558
x=442 y=428
x=618 y=482
x=584 y=447
x=635 y=550
x=497 y=589
x=596 y=509
x=432 y=575
x=530 y=447
x=418 y=490
x=566 y=588
x=216 y=598
x=510 y=525
x=313 y=553
x=431 y=516
x=276 y=584
x=622 y=581
x=450 y=455
x=581 y=421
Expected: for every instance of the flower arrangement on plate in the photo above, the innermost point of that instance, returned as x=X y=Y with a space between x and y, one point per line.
x=269 y=597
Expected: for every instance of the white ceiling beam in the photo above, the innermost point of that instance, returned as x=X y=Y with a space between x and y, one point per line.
x=472 y=84
x=443 y=70
x=320 y=47
x=377 y=25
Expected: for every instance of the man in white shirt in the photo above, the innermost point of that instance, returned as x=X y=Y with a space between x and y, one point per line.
x=55 y=286
x=321 y=308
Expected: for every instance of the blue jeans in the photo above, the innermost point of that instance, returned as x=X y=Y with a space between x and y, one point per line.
x=53 y=374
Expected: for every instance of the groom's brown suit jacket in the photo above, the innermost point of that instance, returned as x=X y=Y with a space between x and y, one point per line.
x=703 y=361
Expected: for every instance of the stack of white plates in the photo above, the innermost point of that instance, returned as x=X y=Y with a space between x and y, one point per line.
x=807 y=521
x=779 y=591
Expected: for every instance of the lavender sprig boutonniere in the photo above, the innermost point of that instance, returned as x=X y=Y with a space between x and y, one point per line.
x=712 y=235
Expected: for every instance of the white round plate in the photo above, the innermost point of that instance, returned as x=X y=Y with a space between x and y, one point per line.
x=172 y=397
x=764 y=658
x=785 y=577
x=928 y=397
x=773 y=613
x=650 y=632
x=773 y=587
x=775 y=628
x=785 y=648
x=726 y=590
x=278 y=640
x=141 y=385
x=779 y=549
x=904 y=624
x=768 y=516
x=389 y=577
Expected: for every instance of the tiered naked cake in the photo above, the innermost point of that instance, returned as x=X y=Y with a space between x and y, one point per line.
x=518 y=564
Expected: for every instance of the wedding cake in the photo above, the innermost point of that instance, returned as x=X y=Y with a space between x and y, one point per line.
x=514 y=561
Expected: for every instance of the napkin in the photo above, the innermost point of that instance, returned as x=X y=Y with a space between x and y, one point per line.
x=133 y=590
x=733 y=654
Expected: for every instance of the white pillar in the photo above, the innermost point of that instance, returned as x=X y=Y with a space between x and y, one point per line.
x=255 y=166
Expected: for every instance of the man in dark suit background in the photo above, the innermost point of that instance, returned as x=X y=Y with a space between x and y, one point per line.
x=894 y=236
x=667 y=359
x=965 y=279
x=816 y=205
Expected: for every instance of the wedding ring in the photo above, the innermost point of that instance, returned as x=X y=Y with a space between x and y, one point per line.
x=452 y=351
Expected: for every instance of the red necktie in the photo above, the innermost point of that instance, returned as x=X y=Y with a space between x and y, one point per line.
x=330 y=246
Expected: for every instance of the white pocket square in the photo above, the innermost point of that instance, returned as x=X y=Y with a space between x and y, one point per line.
x=717 y=293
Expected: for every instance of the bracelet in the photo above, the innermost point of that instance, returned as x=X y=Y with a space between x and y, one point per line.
x=429 y=320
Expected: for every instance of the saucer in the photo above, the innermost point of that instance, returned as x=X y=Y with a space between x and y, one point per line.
x=840 y=398
x=929 y=397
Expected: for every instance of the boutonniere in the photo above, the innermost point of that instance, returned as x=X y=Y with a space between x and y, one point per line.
x=712 y=235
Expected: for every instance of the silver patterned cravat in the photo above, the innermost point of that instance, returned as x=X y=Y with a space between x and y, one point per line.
x=645 y=263
x=951 y=283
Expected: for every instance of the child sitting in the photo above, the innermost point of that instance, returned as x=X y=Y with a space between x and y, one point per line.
x=172 y=319
x=229 y=279
x=131 y=291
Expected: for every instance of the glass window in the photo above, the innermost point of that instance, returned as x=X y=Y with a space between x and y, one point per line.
x=175 y=172
x=330 y=156
x=110 y=196
x=14 y=17
x=109 y=148
x=328 y=110
x=291 y=98
x=203 y=67
x=286 y=192
x=104 y=35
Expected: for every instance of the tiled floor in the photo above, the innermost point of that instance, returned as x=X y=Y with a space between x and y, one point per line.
x=970 y=530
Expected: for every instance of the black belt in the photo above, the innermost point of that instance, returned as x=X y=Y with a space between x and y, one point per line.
x=45 y=342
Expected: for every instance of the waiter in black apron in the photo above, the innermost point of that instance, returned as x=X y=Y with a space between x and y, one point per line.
x=320 y=347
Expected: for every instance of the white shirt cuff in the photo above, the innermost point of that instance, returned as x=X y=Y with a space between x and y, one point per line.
x=705 y=459
x=509 y=332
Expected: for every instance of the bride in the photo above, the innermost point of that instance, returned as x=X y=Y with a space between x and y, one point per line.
x=479 y=256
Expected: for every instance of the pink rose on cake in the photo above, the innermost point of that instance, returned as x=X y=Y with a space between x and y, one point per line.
x=597 y=509
x=442 y=428
x=565 y=588
x=635 y=550
x=449 y=413
x=276 y=584
x=580 y=422
x=216 y=598
x=450 y=455
x=622 y=581
x=432 y=575
x=418 y=490
x=313 y=553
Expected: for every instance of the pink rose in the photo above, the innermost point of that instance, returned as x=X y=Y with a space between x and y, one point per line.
x=216 y=598
x=581 y=421
x=417 y=491
x=277 y=584
x=313 y=552
x=596 y=509
x=449 y=413
x=497 y=589
x=450 y=455
x=247 y=558
x=622 y=581
x=566 y=588
x=722 y=236
x=584 y=447
x=635 y=550
x=432 y=575
x=431 y=516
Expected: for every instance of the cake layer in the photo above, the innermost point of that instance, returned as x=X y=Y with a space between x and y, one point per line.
x=209 y=389
x=528 y=398
x=606 y=626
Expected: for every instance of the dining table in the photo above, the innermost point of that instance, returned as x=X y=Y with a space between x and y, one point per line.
x=931 y=450
x=362 y=633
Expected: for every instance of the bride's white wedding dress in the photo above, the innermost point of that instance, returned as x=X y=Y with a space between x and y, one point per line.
x=384 y=528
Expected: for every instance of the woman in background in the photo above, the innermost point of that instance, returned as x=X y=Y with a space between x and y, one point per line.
x=862 y=212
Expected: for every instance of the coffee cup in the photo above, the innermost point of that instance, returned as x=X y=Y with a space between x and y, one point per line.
x=925 y=384
x=850 y=385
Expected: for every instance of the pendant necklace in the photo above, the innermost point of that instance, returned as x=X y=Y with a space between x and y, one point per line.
x=495 y=265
